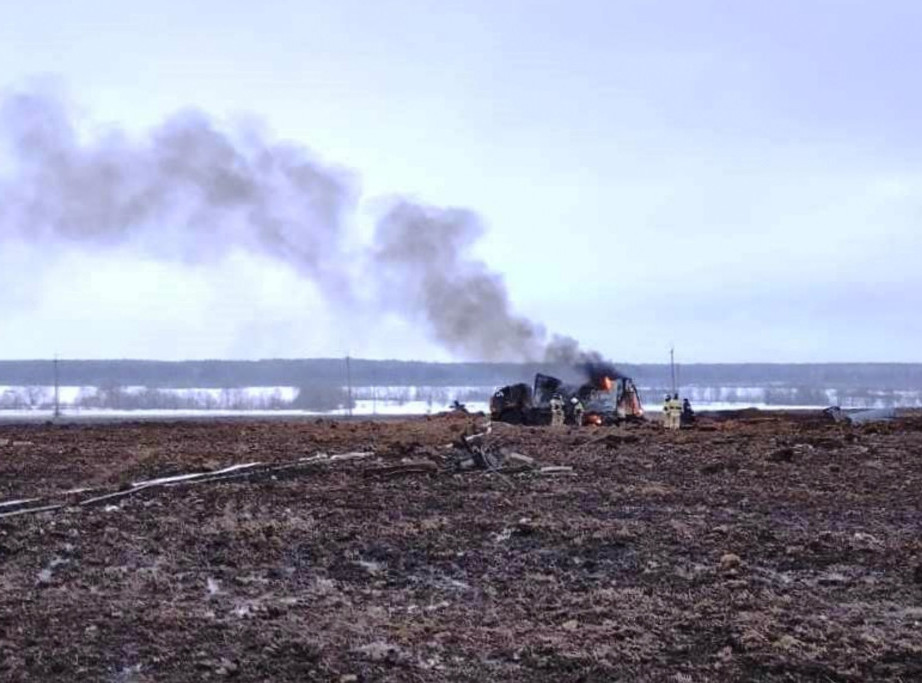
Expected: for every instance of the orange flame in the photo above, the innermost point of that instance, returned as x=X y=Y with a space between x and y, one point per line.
x=607 y=383
x=594 y=420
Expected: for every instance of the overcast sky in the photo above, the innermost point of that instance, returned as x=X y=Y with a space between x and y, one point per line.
x=741 y=179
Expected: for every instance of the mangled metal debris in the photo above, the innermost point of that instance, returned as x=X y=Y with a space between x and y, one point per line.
x=477 y=452
x=606 y=398
x=474 y=452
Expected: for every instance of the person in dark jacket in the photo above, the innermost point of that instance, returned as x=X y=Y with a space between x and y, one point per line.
x=688 y=415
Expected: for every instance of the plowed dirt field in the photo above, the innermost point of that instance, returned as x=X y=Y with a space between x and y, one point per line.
x=776 y=548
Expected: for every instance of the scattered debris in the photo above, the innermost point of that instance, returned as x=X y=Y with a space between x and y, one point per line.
x=228 y=473
x=557 y=469
x=27 y=511
x=195 y=475
x=16 y=503
x=474 y=452
x=355 y=455
x=514 y=458
x=859 y=417
x=411 y=467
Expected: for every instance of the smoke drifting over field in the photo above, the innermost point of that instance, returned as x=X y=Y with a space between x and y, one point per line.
x=188 y=191
x=421 y=253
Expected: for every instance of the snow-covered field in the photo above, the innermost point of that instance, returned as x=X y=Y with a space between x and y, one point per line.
x=37 y=402
x=363 y=408
x=724 y=405
x=255 y=398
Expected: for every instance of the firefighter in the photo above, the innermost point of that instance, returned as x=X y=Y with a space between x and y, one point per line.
x=557 y=412
x=673 y=410
x=578 y=411
x=667 y=412
x=636 y=410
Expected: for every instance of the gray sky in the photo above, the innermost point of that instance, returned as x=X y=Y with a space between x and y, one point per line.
x=742 y=179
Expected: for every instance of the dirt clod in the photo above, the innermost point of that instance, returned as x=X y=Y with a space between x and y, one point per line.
x=729 y=561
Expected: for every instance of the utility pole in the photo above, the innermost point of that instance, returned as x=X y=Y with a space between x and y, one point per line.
x=374 y=392
x=57 y=389
x=349 y=386
x=672 y=369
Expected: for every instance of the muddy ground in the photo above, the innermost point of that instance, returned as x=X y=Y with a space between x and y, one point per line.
x=757 y=548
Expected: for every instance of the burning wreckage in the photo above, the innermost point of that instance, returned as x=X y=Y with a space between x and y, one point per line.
x=607 y=398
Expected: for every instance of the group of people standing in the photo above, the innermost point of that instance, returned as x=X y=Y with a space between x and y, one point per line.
x=559 y=414
x=676 y=413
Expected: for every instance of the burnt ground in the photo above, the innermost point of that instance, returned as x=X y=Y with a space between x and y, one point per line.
x=756 y=548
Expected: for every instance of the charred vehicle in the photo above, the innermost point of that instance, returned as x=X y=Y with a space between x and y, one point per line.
x=605 y=399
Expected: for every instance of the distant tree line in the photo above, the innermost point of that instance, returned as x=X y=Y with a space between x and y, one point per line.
x=220 y=374
x=322 y=397
x=323 y=381
x=332 y=372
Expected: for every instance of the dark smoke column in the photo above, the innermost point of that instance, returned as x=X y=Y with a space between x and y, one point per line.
x=422 y=258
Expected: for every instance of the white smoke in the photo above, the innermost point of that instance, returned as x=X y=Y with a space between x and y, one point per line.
x=188 y=191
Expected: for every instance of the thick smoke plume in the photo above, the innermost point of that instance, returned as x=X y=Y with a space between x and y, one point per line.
x=597 y=370
x=189 y=191
x=422 y=255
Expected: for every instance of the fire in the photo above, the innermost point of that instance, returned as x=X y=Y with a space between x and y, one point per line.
x=594 y=420
x=607 y=383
